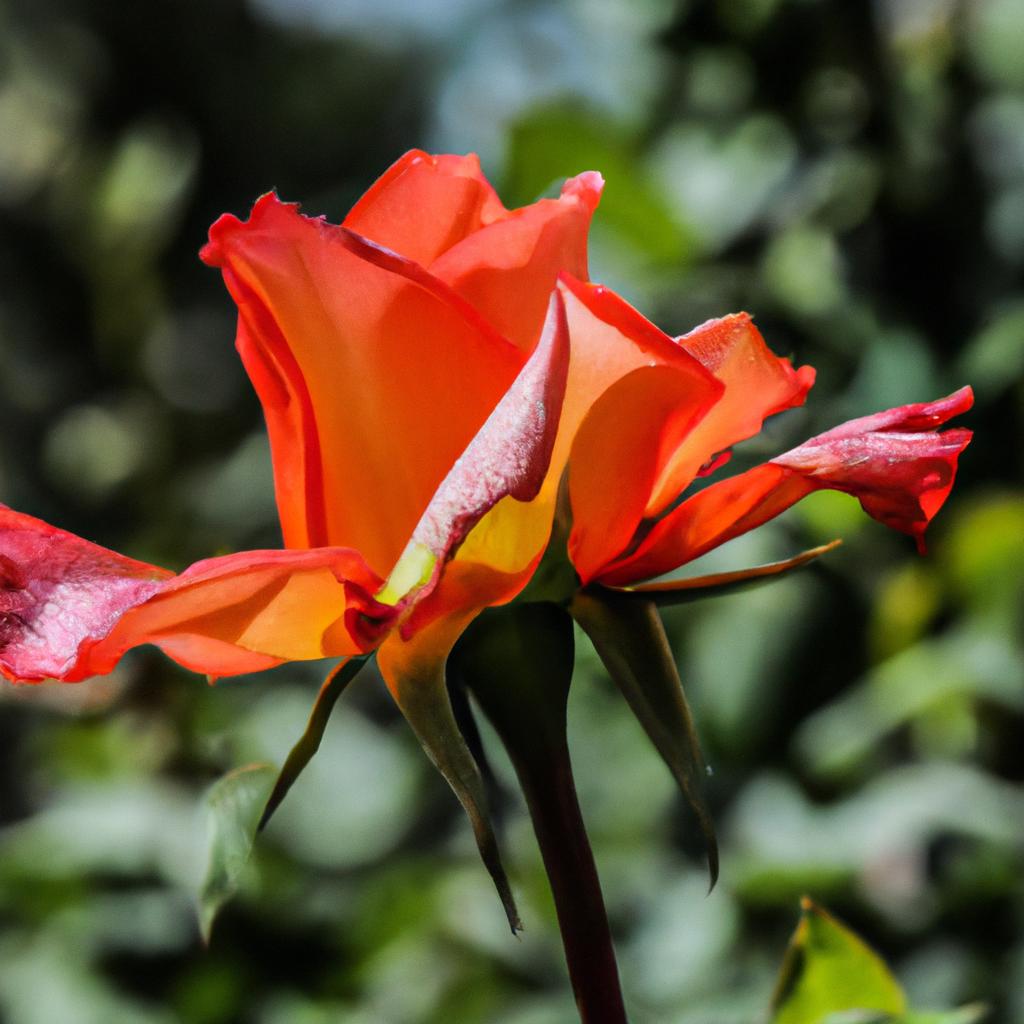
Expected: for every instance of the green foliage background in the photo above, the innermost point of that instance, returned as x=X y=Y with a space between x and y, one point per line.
x=851 y=173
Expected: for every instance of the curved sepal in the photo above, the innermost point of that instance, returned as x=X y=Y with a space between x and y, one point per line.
x=668 y=593
x=518 y=663
x=309 y=743
x=628 y=634
x=420 y=690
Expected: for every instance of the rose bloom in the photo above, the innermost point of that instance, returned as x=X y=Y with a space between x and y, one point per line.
x=431 y=372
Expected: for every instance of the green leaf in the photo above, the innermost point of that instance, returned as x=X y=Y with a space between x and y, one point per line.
x=627 y=633
x=963 y=1015
x=233 y=808
x=309 y=743
x=828 y=970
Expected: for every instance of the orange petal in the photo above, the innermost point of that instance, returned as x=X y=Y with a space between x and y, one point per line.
x=627 y=437
x=609 y=339
x=423 y=205
x=508 y=461
x=898 y=466
x=507 y=269
x=72 y=608
x=758 y=384
x=374 y=374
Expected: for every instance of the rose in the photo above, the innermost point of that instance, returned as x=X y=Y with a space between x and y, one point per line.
x=431 y=372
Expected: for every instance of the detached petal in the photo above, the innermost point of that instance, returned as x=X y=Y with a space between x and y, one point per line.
x=74 y=608
x=896 y=463
x=374 y=375
x=507 y=269
x=423 y=205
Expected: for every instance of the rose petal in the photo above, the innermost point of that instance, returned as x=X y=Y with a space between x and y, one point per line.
x=72 y=608
x=374 y=375
x=609 y=340
x=620 y=449
x=895 y=462
x=507 y=269
x=508 y=458
x=423 y=205
x=758 y=384
x=60 y=593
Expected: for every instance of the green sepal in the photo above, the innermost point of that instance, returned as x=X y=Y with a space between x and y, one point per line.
x=309 y=743
x=423 y=699
x=232 y=805
x=673 y=592
x=517 y=661
x=630 y=639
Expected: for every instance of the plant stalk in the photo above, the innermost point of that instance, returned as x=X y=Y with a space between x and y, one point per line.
x=518 y=663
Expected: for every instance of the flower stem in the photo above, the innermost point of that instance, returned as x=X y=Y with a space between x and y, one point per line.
x=518 y=662
x=551 y=797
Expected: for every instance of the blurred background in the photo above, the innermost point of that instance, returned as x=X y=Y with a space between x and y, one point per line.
x=851 y=173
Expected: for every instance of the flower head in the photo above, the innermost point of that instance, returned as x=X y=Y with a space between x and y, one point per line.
x=441 y=384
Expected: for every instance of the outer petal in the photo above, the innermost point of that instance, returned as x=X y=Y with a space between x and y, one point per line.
x=895 y=462
x=60 y=594
x=507 y=269
x=625 y=440
x=610 y=339
x=73 y=608
x=758 y=384
x=423 y=205
x=374 y=375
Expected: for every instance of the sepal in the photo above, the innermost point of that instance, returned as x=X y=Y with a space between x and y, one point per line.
x=630 y=639
x=309 y=743
x=668 y=593
x=419 y=688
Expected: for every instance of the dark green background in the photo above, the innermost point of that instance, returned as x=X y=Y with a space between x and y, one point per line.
x=851 y=173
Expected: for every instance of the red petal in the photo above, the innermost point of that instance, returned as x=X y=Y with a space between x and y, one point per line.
x=373 y=373
x=73 y=608
x=609 y=340
x=423 y=205
x=507 y=269
x=895 y=463
x=59 y=593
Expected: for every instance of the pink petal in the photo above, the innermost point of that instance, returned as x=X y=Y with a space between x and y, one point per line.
x=70 y=609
